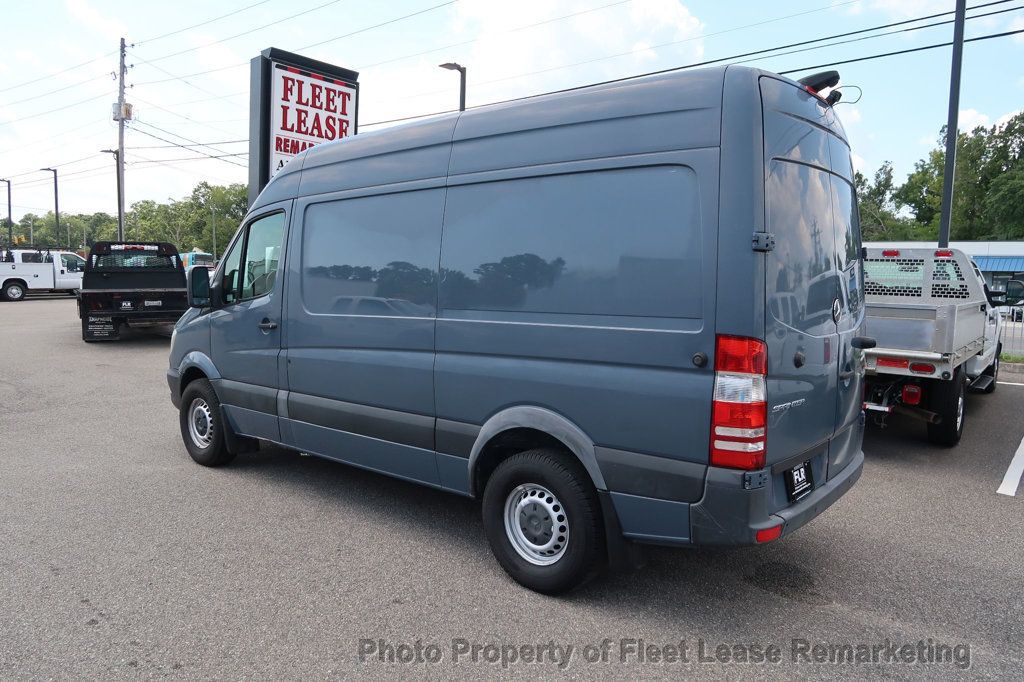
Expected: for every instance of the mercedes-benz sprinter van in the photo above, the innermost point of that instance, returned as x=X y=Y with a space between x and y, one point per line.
x=620 y=314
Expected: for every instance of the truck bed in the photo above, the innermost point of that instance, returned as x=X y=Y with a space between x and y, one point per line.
x=922 y=307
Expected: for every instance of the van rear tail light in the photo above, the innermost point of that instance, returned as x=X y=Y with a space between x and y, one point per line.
x=944 y=253
x=768 y=534
x=891 y=253
x=922 y=368
x=911 y=394
x=739 y=411
x=898 y=363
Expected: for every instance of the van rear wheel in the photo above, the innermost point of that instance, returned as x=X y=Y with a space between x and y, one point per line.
x=948 y=400
x=543 y=521
x=201 y=424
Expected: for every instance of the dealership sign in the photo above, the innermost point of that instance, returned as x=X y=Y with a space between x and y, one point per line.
x=295 y=103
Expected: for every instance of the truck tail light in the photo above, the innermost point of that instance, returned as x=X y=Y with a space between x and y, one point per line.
x=891 y=253
x=739 y=411
x=898 y=363
x=944 y=253
x=911 y=394
x=922 y=368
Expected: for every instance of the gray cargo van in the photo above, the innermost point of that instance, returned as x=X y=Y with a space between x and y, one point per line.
x=621 y=314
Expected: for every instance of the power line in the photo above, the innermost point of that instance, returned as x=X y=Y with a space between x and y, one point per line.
x=243 y=33
x=908 y=51
x=722 y=59
x=383 y=23
x=61 y=89
x=202 y=23
x=613 y=4
x=52 y=111
x=163 y=139
x=511 y=30
x=53 y=165
x=196 y=144
x=57 y=73
x=187 y=118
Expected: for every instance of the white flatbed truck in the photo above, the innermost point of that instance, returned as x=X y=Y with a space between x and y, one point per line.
x=938 y=330
x=24 y=270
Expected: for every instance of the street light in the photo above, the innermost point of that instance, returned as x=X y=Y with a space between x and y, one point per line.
x=452 y=66
x=56 y=207
x=120 y=193
x=10 y=219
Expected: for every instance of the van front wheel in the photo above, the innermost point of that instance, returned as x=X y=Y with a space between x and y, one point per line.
x=543 y=521
x=201 y=427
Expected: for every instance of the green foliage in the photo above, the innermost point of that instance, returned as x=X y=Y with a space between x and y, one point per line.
x=988 y=190
x=187 y=223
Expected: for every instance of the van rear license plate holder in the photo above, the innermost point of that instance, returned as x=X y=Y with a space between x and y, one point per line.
x=799 y=481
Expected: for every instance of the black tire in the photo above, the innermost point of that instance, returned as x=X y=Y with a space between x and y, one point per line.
x=948 y=399
x=199 y=402
x=993 y=370
x=526 y=476
x=13 y=291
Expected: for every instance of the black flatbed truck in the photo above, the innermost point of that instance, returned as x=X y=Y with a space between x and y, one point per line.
x=134 y=284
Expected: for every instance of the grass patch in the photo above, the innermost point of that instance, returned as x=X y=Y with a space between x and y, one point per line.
x=1006 y=357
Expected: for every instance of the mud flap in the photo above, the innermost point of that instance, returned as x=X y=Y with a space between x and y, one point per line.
x=100 y=328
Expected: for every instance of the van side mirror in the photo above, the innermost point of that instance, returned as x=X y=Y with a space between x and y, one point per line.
x=1014 y=292
x=198 y=283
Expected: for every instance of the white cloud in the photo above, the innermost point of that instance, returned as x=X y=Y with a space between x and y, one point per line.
x=851 y=115
x=858 y=162
x=969 y=119
x=927 y=141
x=506 y=62
x=87 y=15
x=1016 y=25
x=1005 y=118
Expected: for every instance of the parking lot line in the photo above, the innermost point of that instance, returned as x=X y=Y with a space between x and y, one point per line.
x=1013 y=473
x=1010 y=383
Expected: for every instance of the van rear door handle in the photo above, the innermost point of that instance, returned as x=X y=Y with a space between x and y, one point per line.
x=266 y=325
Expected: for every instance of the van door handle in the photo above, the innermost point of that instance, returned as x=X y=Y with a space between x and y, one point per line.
x=266 y=325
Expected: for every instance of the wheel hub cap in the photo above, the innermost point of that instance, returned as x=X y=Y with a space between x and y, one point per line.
x=200 y=423
x=536 y=524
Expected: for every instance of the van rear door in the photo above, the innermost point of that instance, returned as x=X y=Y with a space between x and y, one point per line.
x=802 y=278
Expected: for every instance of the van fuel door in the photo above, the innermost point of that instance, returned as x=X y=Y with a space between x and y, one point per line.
x=764 y=241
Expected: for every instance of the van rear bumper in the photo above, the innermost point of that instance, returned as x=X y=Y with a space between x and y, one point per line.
x=730 y=515
x=727 y=514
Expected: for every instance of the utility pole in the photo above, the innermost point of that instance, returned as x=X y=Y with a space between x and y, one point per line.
x=56 y=208
x=119 y=157
x=951 y=124
x=32 y=231
x=10 y=218
x=213 y=225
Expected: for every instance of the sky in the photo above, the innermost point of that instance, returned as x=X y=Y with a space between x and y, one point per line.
x=188 y=75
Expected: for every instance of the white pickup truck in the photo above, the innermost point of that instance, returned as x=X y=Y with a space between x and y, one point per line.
x=938 y=330
x=24 y=270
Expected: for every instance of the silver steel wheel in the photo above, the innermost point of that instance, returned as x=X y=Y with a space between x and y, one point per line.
x=14 y=292
x=536 y=524
x=200 y=423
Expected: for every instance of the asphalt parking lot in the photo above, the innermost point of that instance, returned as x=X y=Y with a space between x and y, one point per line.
x=119 y=557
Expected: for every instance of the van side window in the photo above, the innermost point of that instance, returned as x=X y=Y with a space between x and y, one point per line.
x=612 y=242
x=803 y=264
x=262 y=255
x=231 y=269
x=847 y=228
x=379 y=252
